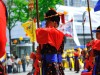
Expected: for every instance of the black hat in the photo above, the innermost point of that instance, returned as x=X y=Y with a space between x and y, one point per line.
x=97 y=30
x=52 y=15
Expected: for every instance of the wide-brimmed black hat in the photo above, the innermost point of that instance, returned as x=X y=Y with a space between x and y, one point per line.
x=97 y=30
x=52 y=15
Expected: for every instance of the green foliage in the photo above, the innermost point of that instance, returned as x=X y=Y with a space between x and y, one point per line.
x=44 y=5
x=17 y=11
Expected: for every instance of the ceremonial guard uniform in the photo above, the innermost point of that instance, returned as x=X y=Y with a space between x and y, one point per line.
x=76 y=61
x=3 y=20
x=96 y=52
x=52 y=44
x=94 y=56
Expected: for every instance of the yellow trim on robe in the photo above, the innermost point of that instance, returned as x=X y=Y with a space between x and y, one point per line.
x=3 y=58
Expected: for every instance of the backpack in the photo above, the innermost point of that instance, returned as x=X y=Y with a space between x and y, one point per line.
x=19 y=62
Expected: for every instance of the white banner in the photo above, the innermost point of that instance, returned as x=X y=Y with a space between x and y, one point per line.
x=70 y=31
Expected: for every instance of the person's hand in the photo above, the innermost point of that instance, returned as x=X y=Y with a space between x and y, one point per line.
x=93 y=60
x=40 y=63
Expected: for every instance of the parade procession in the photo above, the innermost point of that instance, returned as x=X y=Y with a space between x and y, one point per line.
x=49 y=37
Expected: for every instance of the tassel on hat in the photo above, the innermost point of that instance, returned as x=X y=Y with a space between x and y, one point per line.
x=63 y=18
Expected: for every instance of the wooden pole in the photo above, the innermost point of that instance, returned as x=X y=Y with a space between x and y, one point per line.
x=37 y=11
x=90 y=19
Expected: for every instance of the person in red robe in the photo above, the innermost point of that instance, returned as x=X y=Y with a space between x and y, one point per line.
x=96 y=52
x=89 y=58
x=3 y=21
x=33 y=57
x=88 y=66
x=36 y=62
x=51 y=44
x=94 y=55
x=76 y=60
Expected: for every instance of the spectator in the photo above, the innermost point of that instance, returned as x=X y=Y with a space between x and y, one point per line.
x=50 y=48
x=9 y=64
x=23 y=60
x=27 y=59
x=18 y=63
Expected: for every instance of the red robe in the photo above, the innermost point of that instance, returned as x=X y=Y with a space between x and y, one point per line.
x=33 y=56
x=96 y=45
x=2 y=29
x=89 y=61
x=36 y=64
x=36 y=58
x=86 y=73
x=76 y=54
x=51 y=36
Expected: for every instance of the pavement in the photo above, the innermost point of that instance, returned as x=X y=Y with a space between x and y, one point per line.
x=68 y=72
x=29 y=68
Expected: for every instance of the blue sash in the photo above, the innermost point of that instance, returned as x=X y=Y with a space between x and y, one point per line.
x=76 y=57
x=52 y=58
x=97 y=60
x=84 y=71
x=59 y=58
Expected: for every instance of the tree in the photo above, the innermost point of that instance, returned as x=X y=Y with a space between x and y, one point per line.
x=17 y=11
x=45 y=5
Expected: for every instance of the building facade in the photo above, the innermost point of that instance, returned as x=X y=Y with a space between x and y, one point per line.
x=79 y=3
x=25 y=46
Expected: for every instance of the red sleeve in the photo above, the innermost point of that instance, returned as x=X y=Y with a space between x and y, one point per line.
x=33 y=56
x=76 y=54
x=86 y=64
x=2 y=29
x=96 y=45
x=50 y=36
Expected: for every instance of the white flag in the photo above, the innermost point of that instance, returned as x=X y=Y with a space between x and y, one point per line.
x=70 y=31
x=67 y=28
x=75 y=37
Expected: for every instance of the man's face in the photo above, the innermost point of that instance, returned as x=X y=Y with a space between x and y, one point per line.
x=98 y=35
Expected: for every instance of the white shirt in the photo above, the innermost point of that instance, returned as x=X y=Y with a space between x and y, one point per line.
x=17 y=60
x=9 y=61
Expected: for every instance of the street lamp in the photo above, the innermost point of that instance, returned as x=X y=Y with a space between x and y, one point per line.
x=83 y=21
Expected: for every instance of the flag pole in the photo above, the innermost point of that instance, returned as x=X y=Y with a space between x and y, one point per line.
x=37 y=11
x=90 y=19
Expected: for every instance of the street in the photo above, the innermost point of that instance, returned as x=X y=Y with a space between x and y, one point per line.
x=67 y=72
x=28 y=69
